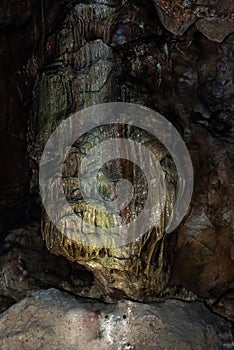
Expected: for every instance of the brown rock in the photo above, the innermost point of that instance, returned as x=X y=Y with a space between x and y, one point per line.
x=178 y=15
x=216 y=30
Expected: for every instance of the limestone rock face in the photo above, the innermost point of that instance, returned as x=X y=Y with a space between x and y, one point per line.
x=55 y=320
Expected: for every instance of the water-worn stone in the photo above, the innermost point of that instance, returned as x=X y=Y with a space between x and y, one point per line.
x=52 y=320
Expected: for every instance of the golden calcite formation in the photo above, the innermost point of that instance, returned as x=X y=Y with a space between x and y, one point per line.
x=138 y=269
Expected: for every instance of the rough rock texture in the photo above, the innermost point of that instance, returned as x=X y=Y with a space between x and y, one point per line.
x=216 y=30
x=75 y=54
x=178 y=15
x=27 y=266
x=52 y=320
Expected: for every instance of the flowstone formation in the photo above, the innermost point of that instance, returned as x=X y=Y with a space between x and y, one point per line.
x=136 y=270
x=83 y=71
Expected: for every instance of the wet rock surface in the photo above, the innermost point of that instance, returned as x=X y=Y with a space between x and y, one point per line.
x=67 y=55
x=54 y=320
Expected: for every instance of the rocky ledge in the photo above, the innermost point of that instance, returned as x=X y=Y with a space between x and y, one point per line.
x=52 y=319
